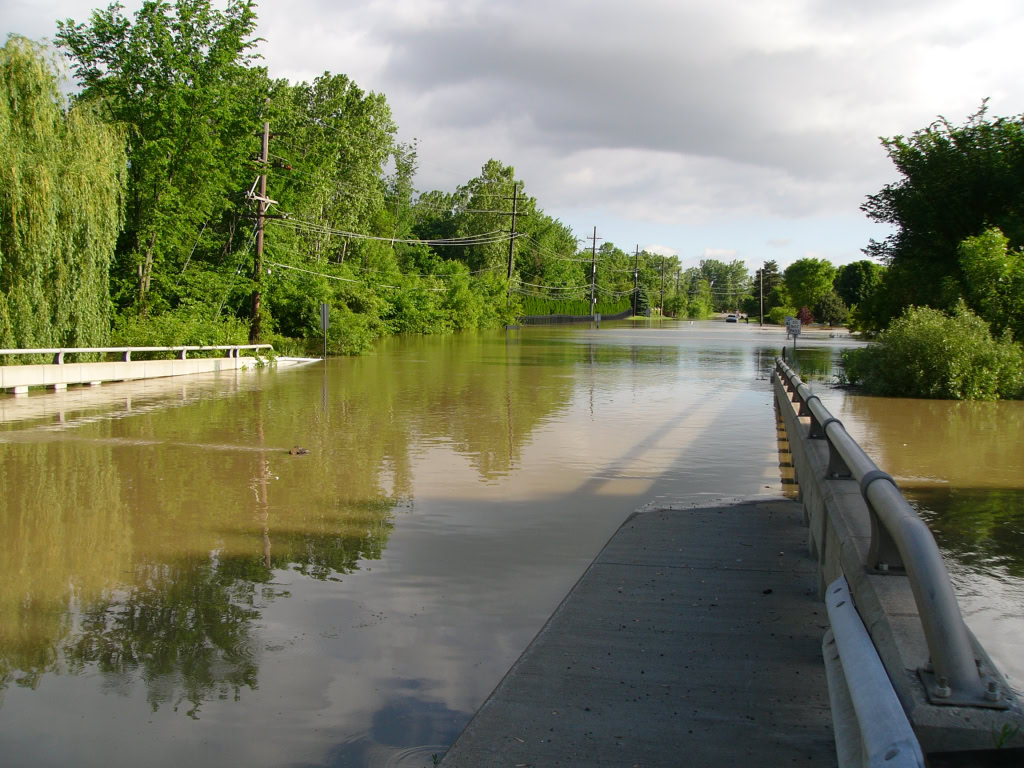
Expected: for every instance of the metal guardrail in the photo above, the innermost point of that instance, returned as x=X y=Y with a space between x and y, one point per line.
x=59 y=352
x=902 y=543
x=884 y=735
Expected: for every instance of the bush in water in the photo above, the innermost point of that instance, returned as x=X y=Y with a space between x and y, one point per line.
x=927 y=353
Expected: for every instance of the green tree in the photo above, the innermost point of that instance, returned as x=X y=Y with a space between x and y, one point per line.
x=857 y=281
x=808 y=280
x=177 y=78
x=728 y=283
x=994 y=280
x=956 y=181
x=701 y=303
x=61 y=192
x=763 y=284
x=327 y=172
x=831 y=309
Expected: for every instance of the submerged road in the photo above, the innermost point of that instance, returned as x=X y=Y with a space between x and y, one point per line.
x=693 y=638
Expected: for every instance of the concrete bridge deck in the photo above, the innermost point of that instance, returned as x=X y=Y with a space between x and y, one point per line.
x=694 y=638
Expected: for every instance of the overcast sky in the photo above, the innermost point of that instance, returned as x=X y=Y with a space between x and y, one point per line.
x=704 y=128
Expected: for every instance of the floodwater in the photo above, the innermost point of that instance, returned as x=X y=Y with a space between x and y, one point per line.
x=176 y=587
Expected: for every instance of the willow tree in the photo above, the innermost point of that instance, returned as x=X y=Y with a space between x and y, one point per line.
x=61 y=192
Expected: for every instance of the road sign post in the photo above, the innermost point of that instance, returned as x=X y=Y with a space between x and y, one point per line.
x=792 y=328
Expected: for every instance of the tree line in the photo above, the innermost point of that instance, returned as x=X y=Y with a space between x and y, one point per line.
x=127 y=213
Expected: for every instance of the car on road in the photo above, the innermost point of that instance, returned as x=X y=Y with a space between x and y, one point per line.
x=731 y=319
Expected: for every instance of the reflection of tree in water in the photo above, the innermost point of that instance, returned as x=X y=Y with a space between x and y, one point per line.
x=63 y=537
x=813 y=363
x=185 y=626
x=183 y=620
x=320 y=555
x=982 y=528
x=146 y=546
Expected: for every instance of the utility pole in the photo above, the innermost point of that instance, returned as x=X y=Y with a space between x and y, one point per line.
x=512 y=236
x=636 y=278
x=593 y=269
x=662 y=308
x=761 y=291
x=261 y=211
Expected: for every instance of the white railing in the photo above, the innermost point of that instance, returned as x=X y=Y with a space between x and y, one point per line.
x=126 y=352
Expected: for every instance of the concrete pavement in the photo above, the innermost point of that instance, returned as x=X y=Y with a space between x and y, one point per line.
x=694 y=638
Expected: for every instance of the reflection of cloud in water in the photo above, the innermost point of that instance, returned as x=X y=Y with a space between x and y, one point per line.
x=400 y=728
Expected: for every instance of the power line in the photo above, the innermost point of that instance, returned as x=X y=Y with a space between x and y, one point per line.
x=342 y=279
x=553 y=287
x=486 y=238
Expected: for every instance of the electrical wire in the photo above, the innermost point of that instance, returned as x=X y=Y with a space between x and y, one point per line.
x=552 y=287
x=335 y=277
x=486 y=238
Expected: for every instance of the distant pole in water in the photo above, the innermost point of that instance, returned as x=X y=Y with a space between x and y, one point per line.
x=636 y=278
x=761 y=291
x=662 y=307
x=512 y=236
x=593 y=269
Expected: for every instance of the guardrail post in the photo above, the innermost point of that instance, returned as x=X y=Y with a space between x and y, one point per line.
x=883 y=555
x=182 y=353
x=127 y=356
x=58 y=359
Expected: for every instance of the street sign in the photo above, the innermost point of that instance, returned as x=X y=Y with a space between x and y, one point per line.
x=792 y=326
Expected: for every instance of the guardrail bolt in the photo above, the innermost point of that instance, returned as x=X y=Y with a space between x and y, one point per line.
x=942 y=689
x=992 y=692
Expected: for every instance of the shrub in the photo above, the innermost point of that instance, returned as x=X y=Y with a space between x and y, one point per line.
x=927 y=353
x=193 y=325
x=539 y=305
x=831 y=309
x=777 y=315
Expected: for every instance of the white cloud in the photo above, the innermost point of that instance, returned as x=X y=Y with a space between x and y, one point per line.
x=721 y=254
x=661 y=250
x=673 y=115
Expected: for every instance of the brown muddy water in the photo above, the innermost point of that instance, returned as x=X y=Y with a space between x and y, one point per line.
x=177 y=588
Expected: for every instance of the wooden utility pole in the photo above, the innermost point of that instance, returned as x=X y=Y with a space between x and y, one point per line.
x=662 y=308
x=761 y=290
x=636 y=278
x=512 y=236
x=261 y=212
x=593 y=269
